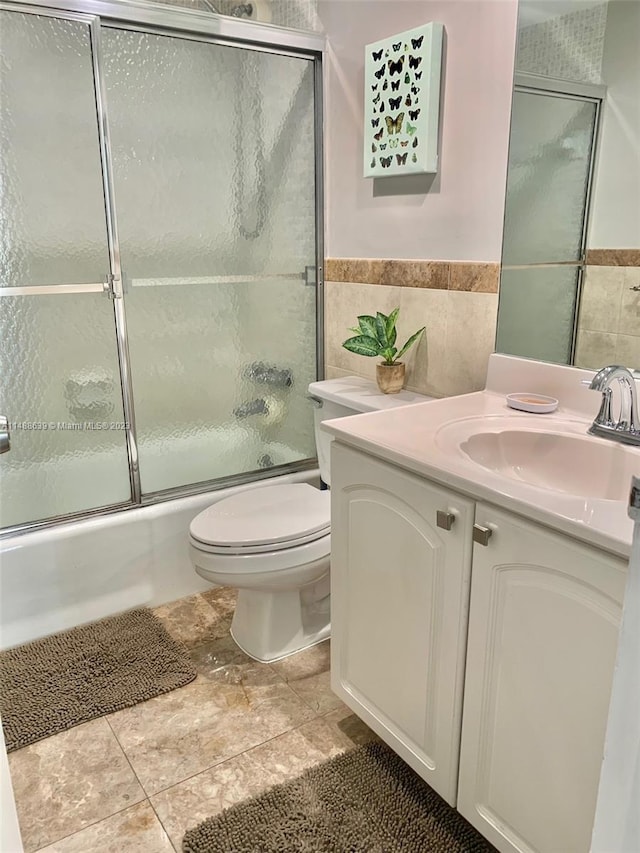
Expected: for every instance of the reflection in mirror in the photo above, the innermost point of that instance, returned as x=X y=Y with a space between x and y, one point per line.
x=570 y=282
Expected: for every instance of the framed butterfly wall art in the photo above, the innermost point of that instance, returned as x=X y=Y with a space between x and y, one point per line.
x=402 y=103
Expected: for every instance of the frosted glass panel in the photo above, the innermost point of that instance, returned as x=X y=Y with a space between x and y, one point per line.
x=60 y=390
x=52 y=220
x=215 y=190
x=549 y=157
x=536 y=316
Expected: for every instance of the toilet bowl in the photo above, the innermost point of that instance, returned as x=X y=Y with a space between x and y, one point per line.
x=272 y=543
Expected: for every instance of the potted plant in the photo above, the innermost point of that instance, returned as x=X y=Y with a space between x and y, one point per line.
x=376 y=336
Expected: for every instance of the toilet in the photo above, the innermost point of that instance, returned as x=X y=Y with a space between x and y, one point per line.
x=272 y=542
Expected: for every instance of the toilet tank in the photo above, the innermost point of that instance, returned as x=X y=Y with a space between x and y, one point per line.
x=350 y=395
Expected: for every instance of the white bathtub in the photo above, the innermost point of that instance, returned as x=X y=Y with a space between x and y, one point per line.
x=64 y=576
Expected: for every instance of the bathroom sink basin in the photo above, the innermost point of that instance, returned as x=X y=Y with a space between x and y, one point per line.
x=556 y=461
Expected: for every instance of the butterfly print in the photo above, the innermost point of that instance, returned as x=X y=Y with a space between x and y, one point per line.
x=373 y=162
x=401 y=158
x=383 y=147
x=382 y=107
x=395 y=67
x=386 y=162
x=413 y=114
x=418 y=75
x=373 y=88
x=411 y=129
x=414 y=61
x=379 y=72
x=414 y=158
x=404 y=144
x=416 y=43
x=407 y=79
x=394 y=125
x=393 y=143
x=377 y=55
x=386 y=86
x=378 y=136
x=394 y=103
x=377 y=98
x=375 y=122
x=397 y=46
x=374 y=147
x=415 y=142
x=395 y=85
x=414 y=90
x=407 y=101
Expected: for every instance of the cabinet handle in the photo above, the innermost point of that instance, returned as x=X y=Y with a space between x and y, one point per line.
x=445 y=520
x=481 y=535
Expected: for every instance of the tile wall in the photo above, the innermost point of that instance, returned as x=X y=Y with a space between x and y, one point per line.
x=457 y=302
x=567 y=47
x=609 y=323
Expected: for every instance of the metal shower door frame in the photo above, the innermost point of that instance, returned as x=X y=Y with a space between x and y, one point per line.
x=217 y=30
x=569 y=90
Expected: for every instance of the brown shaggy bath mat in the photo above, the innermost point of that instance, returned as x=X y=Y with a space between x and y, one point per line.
x=58 y=682
x=365 y=801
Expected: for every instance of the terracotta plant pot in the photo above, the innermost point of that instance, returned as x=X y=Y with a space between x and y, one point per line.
x=390 y=377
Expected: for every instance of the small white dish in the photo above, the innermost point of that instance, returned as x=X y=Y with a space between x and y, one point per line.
x=529 y=402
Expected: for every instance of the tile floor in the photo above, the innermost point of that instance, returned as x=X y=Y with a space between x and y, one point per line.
x=135 y=780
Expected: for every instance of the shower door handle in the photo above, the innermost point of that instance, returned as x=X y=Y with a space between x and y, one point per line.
x=5 y=438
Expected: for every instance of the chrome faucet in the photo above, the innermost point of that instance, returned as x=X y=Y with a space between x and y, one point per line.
x=627 y=428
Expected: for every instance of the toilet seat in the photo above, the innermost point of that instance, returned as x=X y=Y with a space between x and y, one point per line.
x=264 y=520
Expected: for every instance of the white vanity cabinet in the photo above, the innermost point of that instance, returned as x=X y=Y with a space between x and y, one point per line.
x=399 y=597
x=536 y=668
x=543 y=632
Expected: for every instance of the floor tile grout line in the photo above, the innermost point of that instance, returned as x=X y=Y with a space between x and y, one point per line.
x=92 y=823
x=237 y=755
x=124 y=752
x=161 y=822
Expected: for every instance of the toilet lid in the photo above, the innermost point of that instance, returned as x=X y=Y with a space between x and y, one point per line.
x=268 y=515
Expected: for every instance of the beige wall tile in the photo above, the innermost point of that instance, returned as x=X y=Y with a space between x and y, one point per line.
x=390 y=272
x=336 y=372
x=136 y=830
x=426 y=359
x=68 y=781
x=594 y=349
x=614 y=257
x=630 y=303
x=628 y=351
x=475 y=278
x=343 y=304
x=471 y=335
x=600 y=301
x=450 y=359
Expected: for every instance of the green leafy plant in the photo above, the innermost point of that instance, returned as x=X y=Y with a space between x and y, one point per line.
x=376 y=336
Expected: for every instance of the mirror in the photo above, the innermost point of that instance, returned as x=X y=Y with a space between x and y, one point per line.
x=570 y=280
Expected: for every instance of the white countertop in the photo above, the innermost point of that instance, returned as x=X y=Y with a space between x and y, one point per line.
x=419 y=438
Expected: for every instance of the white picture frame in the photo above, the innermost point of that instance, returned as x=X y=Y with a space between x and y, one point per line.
x=402 y=103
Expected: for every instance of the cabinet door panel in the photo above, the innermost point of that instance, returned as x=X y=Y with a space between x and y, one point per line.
x=399 y=604
x=543 y=632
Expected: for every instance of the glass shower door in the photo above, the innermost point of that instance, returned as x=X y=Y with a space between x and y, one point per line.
x=214 y=171
x=550 y=153
x=59 y=371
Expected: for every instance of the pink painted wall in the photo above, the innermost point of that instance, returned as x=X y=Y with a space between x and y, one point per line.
x=458 y=215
